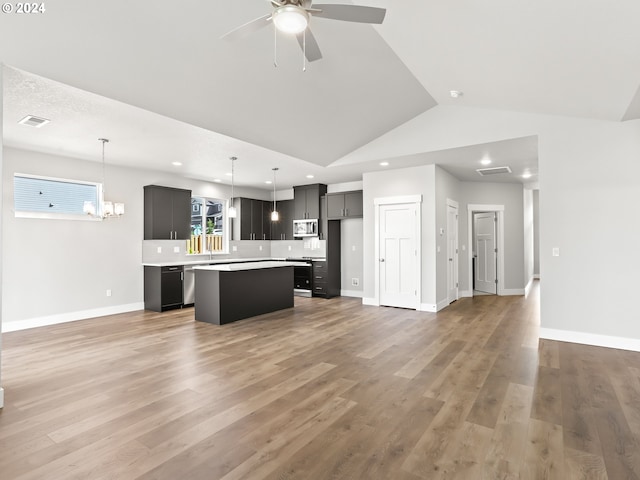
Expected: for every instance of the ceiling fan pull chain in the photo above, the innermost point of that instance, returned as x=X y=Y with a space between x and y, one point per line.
x=275 y=47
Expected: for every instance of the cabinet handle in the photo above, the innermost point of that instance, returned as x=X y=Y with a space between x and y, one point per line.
x=182 y=276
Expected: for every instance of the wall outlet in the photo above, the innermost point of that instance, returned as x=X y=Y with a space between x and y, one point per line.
x=159 y=250
x=108 y=292
x=289 y=247
x=353 y=248
x=176 y=249
x=260 y=247
x=555 y=252
x=234 y=248
x=355 y=282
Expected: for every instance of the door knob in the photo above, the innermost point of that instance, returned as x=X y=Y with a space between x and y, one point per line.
x=382 y=259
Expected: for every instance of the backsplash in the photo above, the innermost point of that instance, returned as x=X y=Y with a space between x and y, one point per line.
x=311 y=247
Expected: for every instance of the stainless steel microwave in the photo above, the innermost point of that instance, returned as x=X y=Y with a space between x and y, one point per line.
x=305 y=228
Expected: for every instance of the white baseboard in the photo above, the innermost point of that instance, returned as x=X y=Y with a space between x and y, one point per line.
x=511 y=291
x=1 y=397
x=465 y=294
x=621 y=343
x=536 y=276
x=351 y=293
x=527 y=289
x=69 y=317
x=428 y=307
x=370 y=301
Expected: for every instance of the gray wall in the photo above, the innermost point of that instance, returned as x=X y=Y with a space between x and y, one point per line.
x=590 y=184
x=447 y=187
x=56 y=267
x=510 y=195
x=527 y=199
x=393 y=183
x=536 y=232
x=1 y=232
x=351 y=240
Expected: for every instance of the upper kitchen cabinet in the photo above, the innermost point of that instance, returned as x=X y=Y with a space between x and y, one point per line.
x=306 y=200
x=167 y=213
x=344 y=205
x=283 y=228
x=254 y=220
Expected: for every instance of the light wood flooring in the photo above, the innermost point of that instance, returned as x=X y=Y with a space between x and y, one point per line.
x=330 y=389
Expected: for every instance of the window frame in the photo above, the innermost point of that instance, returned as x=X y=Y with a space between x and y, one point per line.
x=226 y=226
x=56 y=215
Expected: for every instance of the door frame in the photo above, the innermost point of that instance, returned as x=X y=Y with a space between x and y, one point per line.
x=499 y=211
x=456 y=254
x=409 y=200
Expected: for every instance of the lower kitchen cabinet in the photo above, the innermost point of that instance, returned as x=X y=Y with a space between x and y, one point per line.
x=163 y=288
x=326 y=274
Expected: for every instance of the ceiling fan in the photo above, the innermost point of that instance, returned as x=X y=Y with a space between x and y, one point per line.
x=292 y=16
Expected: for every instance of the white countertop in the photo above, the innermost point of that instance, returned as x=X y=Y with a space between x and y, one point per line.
x=234 y=267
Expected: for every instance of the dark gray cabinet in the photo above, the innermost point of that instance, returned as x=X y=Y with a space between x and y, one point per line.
x=344 y=205
x=306 y=200
x=255 y=219
x=283 y=228
x=326 y=276
x=163 y=288
x=167 y=213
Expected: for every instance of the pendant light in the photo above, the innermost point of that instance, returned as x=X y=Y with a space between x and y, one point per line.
x=108 y=209
x=275 y=216
x=231 y=211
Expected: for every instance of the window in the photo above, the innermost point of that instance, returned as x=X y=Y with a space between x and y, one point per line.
x=208 y=231
x=56 y=198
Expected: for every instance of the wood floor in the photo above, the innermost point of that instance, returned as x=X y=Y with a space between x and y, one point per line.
x=329 y=389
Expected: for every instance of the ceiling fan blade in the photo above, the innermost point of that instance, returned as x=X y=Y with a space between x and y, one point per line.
x=350 y=13
x=311 y=49
x=248 y=28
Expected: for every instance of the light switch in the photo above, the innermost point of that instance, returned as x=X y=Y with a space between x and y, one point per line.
x=353 y=248
x=234 y=248
x=176 y=249
x=159 y=250
x=555 y=252
x=438 y=248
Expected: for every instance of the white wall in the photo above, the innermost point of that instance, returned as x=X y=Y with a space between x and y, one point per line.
x=393 y=183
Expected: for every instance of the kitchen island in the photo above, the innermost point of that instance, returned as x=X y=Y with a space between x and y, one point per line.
x=226 y=293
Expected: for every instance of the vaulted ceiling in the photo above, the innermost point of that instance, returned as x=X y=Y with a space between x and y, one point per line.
x=156 y=77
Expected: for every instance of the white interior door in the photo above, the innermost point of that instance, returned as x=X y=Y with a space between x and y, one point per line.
x=452 y=253
x=485 y=252
x=398 y=254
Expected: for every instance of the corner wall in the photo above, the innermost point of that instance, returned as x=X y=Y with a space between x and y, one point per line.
x=393 y=183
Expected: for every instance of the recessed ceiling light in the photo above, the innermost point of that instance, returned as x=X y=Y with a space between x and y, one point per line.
x=526 y=175
x=268 y=182
x=309 y=176
x=33 y=121
x=455 y=93
x=177 y=164
x=229 y=174
x=384 y=164
x=485 y=161
x=217 y=180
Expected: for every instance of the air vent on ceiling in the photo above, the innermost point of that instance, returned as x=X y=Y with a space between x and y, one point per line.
x=493 y=170
x=33 y=121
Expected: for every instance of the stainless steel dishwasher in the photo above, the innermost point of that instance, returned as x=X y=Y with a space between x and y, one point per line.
x=188 y=286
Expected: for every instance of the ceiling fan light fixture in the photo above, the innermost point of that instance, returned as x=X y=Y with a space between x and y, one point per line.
x=290 y=19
